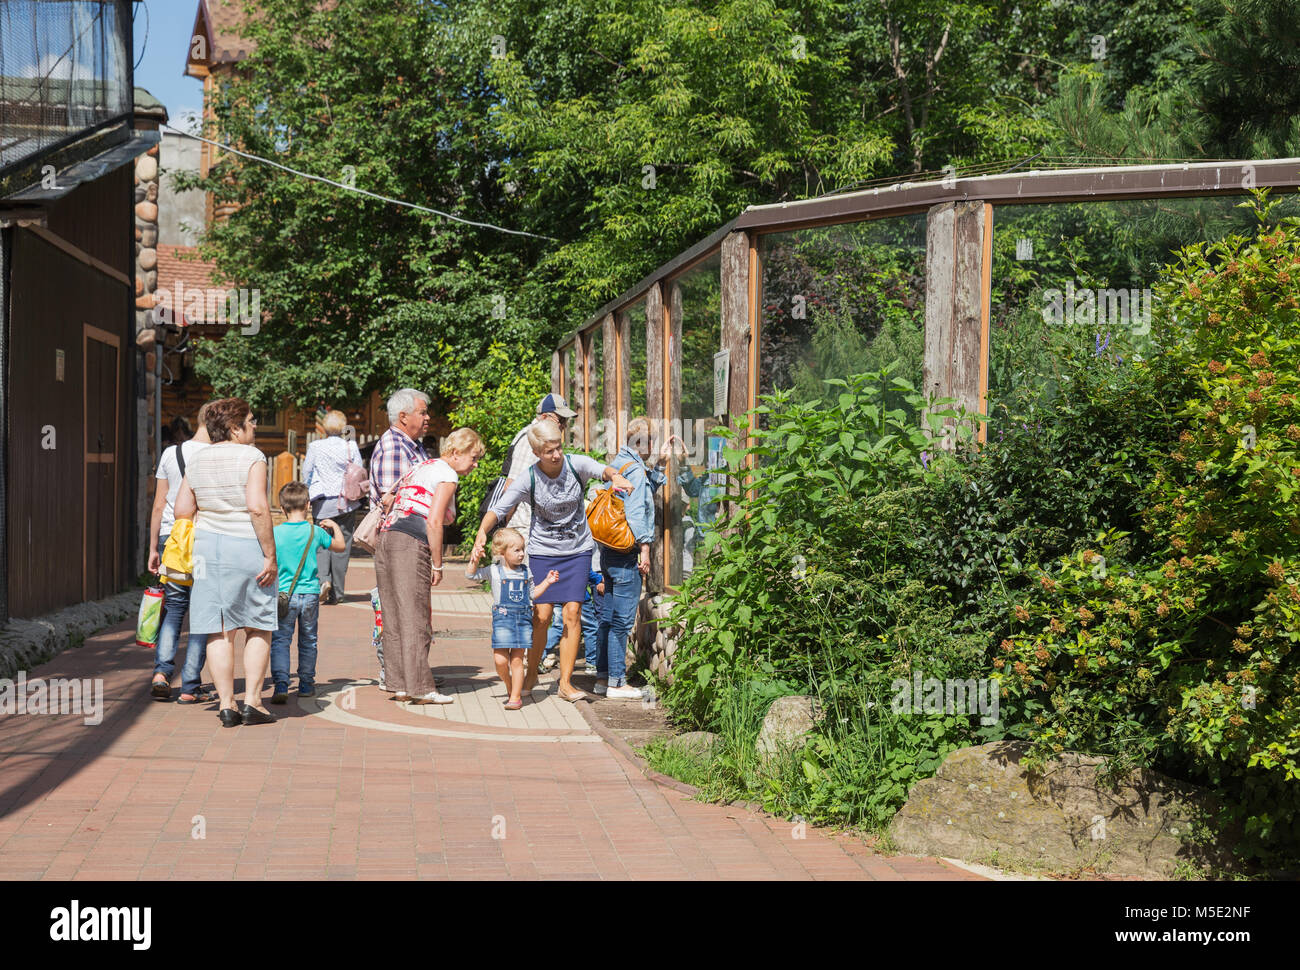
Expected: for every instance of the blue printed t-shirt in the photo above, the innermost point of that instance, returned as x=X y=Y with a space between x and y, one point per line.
x=289 y=540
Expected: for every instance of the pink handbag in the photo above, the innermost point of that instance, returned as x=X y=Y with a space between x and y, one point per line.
x=366 y=534
x=354 y=480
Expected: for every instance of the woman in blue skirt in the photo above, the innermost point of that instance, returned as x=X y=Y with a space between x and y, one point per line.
x=224 y=491
x=558 y=540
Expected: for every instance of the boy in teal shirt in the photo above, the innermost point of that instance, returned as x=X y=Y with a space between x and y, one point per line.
x=296 y=541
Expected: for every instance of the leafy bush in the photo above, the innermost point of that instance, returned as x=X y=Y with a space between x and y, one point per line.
x=1123 y=558
x=498 y=398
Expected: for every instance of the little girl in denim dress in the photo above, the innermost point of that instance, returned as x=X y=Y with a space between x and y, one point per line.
x=512 y=609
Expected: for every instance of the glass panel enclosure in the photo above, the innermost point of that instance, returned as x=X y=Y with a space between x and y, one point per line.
x=635 y=361
x=1076 y=279
x=842 y=300
x=695 y=310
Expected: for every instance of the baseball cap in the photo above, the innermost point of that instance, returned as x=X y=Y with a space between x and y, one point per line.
x=553 y=402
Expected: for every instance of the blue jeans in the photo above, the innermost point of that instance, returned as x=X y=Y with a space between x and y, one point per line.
x=555 y=631
x=622 y=593
x=590 y=623
x=176 y=601
x=304 y=609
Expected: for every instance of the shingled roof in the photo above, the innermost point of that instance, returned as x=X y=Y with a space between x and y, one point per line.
x=181 y=273
x=219 y=23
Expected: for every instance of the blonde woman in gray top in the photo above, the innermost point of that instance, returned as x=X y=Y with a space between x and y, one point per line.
x=224 y=491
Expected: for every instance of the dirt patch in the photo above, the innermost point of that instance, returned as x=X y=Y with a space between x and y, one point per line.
x=635 y=722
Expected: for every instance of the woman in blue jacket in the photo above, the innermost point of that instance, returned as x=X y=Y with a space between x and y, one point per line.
x=623 y=570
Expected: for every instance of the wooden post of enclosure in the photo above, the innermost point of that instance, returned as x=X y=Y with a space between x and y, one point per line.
x=557 y=373
x=676 y=505
x=588 y=419
x=737 y=333
x=627 y=408
x=955 y=297
x=657 y=411
x=986 y=298
x=611 y=356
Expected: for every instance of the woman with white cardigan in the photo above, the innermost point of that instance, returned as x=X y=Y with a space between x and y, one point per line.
x=327 y=460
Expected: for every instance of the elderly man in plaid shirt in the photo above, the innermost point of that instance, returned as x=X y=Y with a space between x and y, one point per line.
x=397 y=452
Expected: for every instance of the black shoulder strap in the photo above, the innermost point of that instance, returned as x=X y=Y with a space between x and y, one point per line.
x=311 y=536
x=180 y=458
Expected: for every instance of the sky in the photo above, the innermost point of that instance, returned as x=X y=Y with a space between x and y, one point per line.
x=162 y=37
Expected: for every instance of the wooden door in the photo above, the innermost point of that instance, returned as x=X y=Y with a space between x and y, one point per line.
x=102 y=450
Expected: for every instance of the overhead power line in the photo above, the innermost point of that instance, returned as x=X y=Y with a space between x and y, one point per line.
x=353 y=188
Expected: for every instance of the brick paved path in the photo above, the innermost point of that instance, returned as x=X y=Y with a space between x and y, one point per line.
x=350 y=785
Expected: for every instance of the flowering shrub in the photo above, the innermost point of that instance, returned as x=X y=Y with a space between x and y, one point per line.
x=1187 y=656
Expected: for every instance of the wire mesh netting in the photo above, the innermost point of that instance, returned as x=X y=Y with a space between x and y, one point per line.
x=64 y=69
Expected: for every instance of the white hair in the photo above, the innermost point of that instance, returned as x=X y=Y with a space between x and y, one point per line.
x=543 y=433
x=405 y=400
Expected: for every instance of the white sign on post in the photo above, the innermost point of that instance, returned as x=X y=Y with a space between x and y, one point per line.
x=721 y=380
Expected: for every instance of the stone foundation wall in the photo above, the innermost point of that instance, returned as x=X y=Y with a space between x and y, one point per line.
x=655 y=639
x=146 y=288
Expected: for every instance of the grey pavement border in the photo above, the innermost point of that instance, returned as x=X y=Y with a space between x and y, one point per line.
x=625 y=749
x=25 y=644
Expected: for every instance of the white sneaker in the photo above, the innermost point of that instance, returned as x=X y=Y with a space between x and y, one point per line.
x=624 y=693
x=433 y=698
x=385 y=687
x=601 y=687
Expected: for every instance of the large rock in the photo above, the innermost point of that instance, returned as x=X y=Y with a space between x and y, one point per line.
x=786 y=722
x=981 y=802
x=696 y=742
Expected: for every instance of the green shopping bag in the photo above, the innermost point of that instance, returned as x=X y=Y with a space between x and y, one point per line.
x=150 y=619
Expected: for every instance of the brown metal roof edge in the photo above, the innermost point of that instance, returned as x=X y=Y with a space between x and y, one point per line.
x=679 y=263
x=1097 y=183
x=1073 y=185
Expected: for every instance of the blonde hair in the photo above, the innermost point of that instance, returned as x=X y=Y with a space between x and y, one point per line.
x=334 y=423
x=543 y=433
x=503 y=538
x=638 y=430
x=463 y=441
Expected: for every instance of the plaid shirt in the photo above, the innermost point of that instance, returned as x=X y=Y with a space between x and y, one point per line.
x=393 y=457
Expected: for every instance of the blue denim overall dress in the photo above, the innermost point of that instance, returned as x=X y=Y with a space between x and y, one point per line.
x=512 y=616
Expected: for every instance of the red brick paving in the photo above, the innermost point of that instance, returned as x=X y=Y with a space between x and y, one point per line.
x=307 y=798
